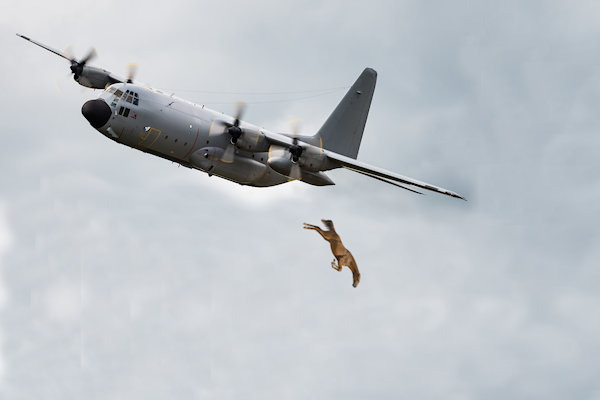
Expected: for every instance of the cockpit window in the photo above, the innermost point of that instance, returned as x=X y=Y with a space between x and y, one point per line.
x=131 y=97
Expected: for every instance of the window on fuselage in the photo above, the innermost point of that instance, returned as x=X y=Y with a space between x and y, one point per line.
x=117 y=94
x=124 y=111
x=131 y=97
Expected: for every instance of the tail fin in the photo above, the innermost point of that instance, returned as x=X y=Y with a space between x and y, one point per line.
x=343 y=130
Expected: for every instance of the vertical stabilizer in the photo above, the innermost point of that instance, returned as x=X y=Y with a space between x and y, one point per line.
x=343 y=130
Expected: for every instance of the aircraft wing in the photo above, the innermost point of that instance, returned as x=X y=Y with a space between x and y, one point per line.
x=371 y=171
x=43 y=46
x=382 y=174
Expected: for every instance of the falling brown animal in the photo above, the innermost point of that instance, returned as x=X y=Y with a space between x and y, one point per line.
x=342 y=254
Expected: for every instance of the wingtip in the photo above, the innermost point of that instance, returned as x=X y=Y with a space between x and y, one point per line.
x=452 y=194
x=459 y=197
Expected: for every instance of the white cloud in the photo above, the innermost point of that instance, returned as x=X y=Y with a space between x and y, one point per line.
x=5 y=244
x=5 y=235
x=62 y=301
x=131 y=278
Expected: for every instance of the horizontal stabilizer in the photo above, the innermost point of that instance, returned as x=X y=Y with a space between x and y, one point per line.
x=386 y=181
x=387 y=176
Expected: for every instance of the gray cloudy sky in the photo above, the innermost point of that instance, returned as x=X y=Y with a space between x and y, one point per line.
x=123 y=276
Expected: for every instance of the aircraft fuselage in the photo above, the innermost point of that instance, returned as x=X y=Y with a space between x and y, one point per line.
x=178 y=130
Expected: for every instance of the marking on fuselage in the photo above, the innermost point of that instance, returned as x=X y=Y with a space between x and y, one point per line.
x=144 y=135
x=155 y=139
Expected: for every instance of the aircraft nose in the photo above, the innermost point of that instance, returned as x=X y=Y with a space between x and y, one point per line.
x=97 y=112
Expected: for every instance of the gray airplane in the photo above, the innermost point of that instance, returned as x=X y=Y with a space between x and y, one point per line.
x=197 y=137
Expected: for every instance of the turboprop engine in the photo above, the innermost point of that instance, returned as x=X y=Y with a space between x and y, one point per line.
x=304 y=163
x=93 y=77
x=252 y=140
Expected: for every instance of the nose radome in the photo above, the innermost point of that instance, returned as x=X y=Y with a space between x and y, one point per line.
x=97 y=112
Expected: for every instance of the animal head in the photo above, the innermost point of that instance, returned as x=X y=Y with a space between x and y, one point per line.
x=328 y=224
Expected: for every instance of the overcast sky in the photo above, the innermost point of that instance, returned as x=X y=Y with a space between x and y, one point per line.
x=123 y=276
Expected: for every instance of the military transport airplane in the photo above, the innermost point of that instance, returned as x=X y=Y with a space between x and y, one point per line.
x=197 y=137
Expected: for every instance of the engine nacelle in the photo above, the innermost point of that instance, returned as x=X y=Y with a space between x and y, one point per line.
x=253 y=140
x=313 y=161
x=95 y=78
x=316 y=178
x=282 y=165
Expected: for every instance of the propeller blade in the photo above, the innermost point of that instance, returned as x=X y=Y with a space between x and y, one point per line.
x=89 y=56
x=276 y=152
x=295 y=172
x=217 y=128
x=131 y=70
x=228 y=154
x=68 y=52
x=295 y=124
x=239 y=111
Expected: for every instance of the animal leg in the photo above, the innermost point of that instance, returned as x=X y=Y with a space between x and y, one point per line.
x=309 y=226
x=335 y=265
x=348 y=261
x=316 y=228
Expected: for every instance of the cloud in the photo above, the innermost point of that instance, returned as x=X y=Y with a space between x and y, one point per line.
x=5 y=235
x=5 y=244
x=129 y=276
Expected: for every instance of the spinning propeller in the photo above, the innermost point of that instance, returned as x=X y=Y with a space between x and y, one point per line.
x=77 y=66
x=131 y=70
x=234 y=131
x=295 y=151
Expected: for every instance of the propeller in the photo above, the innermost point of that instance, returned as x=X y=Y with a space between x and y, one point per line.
x=77 y=66
x=295 y=151
x=234 y=131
